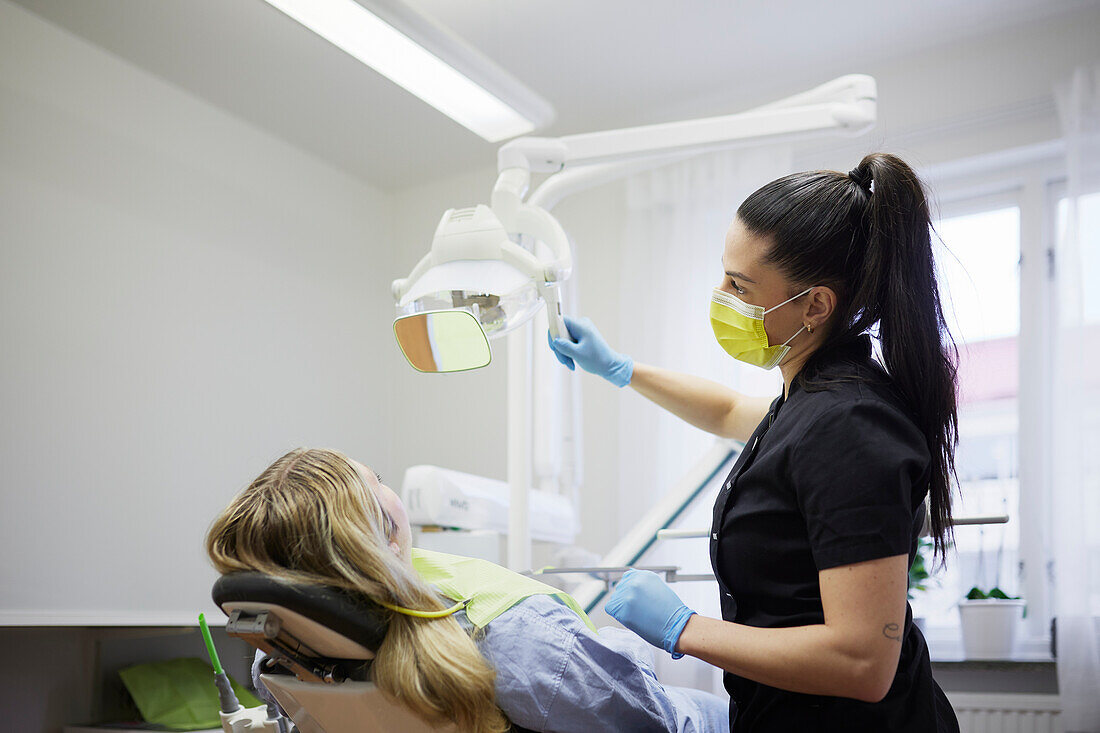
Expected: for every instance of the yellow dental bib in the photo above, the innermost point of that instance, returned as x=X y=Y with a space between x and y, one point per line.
x=489 y=589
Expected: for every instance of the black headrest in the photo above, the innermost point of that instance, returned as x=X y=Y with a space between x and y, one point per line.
x=353 y=617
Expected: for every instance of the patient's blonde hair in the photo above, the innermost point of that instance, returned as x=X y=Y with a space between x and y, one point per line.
x=310 y=517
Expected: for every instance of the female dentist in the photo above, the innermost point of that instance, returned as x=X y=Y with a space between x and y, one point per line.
x=816 y=526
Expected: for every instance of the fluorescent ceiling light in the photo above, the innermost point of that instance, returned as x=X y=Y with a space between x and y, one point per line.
x=356 y=30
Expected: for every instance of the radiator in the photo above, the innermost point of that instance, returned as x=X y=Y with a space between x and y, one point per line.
x=1007 y=713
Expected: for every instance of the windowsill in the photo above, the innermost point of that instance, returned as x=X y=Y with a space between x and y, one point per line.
x=948 y=649
x=1027 y=672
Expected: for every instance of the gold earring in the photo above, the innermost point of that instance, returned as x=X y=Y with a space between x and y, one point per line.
x=810 y=327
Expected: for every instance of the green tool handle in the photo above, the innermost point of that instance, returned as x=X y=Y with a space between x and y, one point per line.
x=210 y=645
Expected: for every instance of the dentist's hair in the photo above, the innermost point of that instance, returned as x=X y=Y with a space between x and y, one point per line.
x=311 y=518
x=867 y=236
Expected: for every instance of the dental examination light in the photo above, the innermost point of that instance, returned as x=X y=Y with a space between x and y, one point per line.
x=476 y=283
x=486 y=274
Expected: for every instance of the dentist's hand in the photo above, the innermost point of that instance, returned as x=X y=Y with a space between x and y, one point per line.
x=592 y=353
x=644 y=604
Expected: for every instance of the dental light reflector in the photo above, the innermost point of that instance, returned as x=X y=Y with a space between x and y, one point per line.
x=442 y=341
x=362 y=34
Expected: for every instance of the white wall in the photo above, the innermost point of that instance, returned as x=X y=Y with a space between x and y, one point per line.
x=182 y=298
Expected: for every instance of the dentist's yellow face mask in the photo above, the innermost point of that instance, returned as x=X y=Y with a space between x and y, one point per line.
x=739 y=328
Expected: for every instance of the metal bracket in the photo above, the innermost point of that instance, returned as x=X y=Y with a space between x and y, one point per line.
x=264 y=631
x=247 y=627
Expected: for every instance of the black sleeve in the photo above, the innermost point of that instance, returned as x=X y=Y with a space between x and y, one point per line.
x=855 y=472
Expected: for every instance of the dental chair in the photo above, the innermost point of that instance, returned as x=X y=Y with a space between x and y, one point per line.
x=319 y=643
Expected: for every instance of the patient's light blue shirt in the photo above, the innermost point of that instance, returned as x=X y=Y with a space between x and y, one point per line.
x=555 y=675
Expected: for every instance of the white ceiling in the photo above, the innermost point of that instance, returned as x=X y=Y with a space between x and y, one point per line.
x=600 y=63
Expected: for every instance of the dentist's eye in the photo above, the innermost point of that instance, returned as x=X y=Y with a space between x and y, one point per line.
x=738 y=288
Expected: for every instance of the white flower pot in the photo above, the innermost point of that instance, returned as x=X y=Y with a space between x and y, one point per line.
x=989 y=627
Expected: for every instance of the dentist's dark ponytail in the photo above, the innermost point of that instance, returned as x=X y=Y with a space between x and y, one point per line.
x=867 y=235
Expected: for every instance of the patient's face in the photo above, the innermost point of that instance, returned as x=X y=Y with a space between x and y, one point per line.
x=391 y=505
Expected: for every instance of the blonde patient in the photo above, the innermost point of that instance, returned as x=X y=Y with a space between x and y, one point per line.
x=317 y=516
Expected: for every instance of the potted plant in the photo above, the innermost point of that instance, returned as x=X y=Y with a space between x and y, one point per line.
x=989 y=622
x=989 y=619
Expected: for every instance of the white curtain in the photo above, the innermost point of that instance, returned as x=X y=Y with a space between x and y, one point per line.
x=676 y=223
x=1076 y=475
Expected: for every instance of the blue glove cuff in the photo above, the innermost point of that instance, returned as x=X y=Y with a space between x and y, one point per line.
x=673 y=628
x=620 y=374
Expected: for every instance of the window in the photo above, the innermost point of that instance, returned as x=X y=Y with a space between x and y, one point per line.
x=1000 y=295
x=977 y=260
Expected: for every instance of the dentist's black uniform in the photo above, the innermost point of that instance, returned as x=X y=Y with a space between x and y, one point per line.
x=835 y=474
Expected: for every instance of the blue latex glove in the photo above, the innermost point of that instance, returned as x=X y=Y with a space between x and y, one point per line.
x=592 y=353
x=643 y=603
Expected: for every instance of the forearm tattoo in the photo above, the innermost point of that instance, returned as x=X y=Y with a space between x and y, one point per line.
x=892 y=631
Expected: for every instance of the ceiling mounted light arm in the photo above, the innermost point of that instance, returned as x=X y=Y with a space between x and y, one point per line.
x=528 y=219
x=846 y=105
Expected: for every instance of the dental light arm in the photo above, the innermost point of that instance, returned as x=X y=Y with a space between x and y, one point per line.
x=846 y=104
